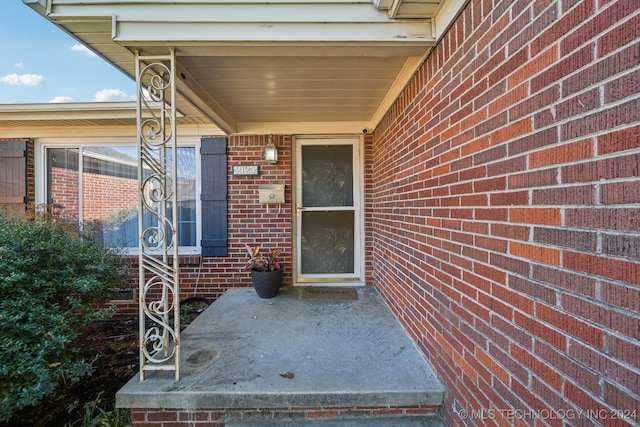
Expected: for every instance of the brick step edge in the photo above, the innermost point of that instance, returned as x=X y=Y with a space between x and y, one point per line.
x=413 y=421
x=382 y=416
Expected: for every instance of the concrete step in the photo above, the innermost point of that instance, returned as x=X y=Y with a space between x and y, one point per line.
x=315 y=363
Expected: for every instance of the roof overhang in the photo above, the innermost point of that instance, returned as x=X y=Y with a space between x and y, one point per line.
x=81 y=119
x=305 y=66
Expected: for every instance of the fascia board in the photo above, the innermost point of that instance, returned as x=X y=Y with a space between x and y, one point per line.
x=230 y=12
x=69 y=111
x=445 y=15
x=240 y=21
x=136 y=33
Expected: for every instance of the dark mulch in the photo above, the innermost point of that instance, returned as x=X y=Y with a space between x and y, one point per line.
x=116 y=343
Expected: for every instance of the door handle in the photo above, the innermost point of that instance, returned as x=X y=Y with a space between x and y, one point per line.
x=298 y=209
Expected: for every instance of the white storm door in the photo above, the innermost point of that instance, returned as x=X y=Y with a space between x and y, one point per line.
x=328 y=210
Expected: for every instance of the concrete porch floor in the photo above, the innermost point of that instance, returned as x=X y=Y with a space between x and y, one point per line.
x=248 y=352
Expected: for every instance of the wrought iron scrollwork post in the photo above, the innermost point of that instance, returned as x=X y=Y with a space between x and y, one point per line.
x=158 y=215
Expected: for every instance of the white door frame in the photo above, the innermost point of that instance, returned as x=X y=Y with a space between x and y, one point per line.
x=357 y=277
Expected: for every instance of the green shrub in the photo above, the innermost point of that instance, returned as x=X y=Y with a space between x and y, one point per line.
x=51 y=278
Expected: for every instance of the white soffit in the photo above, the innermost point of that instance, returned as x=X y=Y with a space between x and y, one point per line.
x=257 y=66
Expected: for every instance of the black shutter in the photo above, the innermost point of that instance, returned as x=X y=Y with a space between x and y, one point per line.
x=213 y=152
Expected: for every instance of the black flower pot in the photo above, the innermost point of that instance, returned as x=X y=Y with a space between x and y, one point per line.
x=267 y=283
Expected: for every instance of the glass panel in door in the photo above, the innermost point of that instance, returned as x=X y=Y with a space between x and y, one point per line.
x=327 y=242
x=328 y=237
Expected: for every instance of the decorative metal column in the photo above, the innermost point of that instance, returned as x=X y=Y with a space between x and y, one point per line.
x=157 y=224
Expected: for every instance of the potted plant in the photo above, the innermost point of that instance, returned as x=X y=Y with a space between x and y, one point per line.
x=266 y=271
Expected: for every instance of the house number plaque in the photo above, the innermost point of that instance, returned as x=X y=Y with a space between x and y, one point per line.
x=245 y=170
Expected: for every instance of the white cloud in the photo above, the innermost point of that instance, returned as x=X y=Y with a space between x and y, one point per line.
x=81 y=48
x=18 y=64
x=106 y=95
x=23 y=79
x=59 y=99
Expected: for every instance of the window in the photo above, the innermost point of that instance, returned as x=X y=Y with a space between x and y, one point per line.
x=96 y=187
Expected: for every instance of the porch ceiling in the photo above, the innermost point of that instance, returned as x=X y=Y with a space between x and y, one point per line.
x=293 y=66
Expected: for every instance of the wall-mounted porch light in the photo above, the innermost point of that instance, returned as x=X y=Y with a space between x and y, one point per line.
x=270 y=153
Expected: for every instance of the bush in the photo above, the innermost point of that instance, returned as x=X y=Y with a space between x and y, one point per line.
x=51 y=278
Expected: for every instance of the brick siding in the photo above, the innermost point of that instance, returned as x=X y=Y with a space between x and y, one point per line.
x=248 y=220
x=505 y=204
x=248 y=223
x=217 y=417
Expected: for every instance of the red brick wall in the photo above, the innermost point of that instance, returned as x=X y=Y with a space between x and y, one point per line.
x=218 y=417
x=248 y=220
x=248 y=223
x=511 y=233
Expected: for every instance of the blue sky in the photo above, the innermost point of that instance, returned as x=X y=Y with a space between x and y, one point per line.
x=40 y=63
